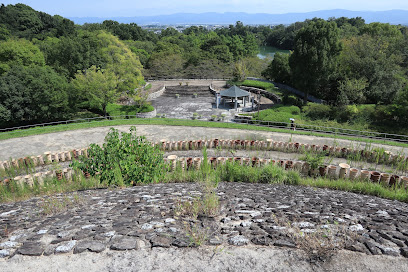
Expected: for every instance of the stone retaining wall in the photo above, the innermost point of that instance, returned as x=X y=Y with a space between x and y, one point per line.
x=156 y=95
x=212 y=90
x=151 y=114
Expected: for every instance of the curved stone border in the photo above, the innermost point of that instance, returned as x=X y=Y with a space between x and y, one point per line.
x=342 y=171
x=268 y=145
x=150 y=114
x=275 y=98
x=156 y=94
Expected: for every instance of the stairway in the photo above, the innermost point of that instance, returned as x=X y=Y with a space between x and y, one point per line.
x=189 y=91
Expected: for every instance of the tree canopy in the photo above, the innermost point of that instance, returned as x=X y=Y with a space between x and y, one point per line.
x=314 y=58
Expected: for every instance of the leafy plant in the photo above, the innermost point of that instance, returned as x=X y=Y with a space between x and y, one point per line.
x=129 y=157
x=314 y=160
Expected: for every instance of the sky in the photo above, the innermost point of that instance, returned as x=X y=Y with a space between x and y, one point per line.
x=130 y=8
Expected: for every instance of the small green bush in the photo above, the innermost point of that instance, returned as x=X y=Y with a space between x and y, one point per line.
x=148 y=87
x=128 y=159
x=289 y=109
x=292 y=100
x=317 y=111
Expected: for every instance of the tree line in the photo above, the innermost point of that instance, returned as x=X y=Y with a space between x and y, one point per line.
x=347 y=62
x=52 y=69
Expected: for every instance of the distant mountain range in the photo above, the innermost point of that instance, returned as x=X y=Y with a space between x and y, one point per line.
x=389 y=16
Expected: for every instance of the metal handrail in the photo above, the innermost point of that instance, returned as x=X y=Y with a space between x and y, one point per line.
x=282 y=125
x=330 y=130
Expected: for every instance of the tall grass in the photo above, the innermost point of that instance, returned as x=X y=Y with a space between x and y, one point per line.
x=272 y=174
x=360 y=187
x=209 y=178
x=12 y=192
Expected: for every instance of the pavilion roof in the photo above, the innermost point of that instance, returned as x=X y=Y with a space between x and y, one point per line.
x=235 y=92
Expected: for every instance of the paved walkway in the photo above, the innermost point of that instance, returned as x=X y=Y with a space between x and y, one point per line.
x=68 y=140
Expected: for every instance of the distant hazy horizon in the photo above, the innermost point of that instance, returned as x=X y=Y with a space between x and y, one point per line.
x=131 y=8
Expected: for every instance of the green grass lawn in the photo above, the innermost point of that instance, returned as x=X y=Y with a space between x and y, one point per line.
x=120 y=110
x=258 y=84
x=315 y=116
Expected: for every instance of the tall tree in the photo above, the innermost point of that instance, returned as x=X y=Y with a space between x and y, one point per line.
x=315 y=55
x=122 y=62
x=369 y=60
x=279 y=69
x=99 y=86
x=32 y=94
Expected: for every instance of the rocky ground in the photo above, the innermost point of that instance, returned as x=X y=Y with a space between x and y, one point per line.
x=259 y=227
x=144 y=221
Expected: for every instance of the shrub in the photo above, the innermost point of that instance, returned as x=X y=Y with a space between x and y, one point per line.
x=292 y=100
x=148 y=87
x=118 y=110
x=129 y=159
x=289 y=109
x=317 y=111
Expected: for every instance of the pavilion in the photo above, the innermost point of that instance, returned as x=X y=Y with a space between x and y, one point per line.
x=234 y=93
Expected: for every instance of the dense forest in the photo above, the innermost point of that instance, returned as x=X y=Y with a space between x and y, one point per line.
x=52 y=69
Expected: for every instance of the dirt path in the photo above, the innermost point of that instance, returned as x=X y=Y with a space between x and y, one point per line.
x=203 y=259
x=68 y=140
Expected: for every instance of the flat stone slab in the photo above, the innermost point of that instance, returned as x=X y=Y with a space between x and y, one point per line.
x=124 y=243
x=31 y=249
x=65 y=247
x=93 y=246
x=144 y=217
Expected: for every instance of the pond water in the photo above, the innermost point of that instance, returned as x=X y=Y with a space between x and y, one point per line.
x=269 y=52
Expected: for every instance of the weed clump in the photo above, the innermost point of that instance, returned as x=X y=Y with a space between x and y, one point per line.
x=124 y=159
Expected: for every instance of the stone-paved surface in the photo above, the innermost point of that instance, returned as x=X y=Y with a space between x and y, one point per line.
x=144 y=217
x=184 y=107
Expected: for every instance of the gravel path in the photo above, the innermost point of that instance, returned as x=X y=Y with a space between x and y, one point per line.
x=68 y=140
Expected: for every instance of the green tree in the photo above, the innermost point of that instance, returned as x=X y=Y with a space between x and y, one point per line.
x=240 y=71
x=99 y=87
x=369 y=60
x=19 y=52
x=315 y=55
x=32 y=94
x=4 y=33
x=166 y=66
x=25 y=22
x=279 y=69
x=122 y=62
